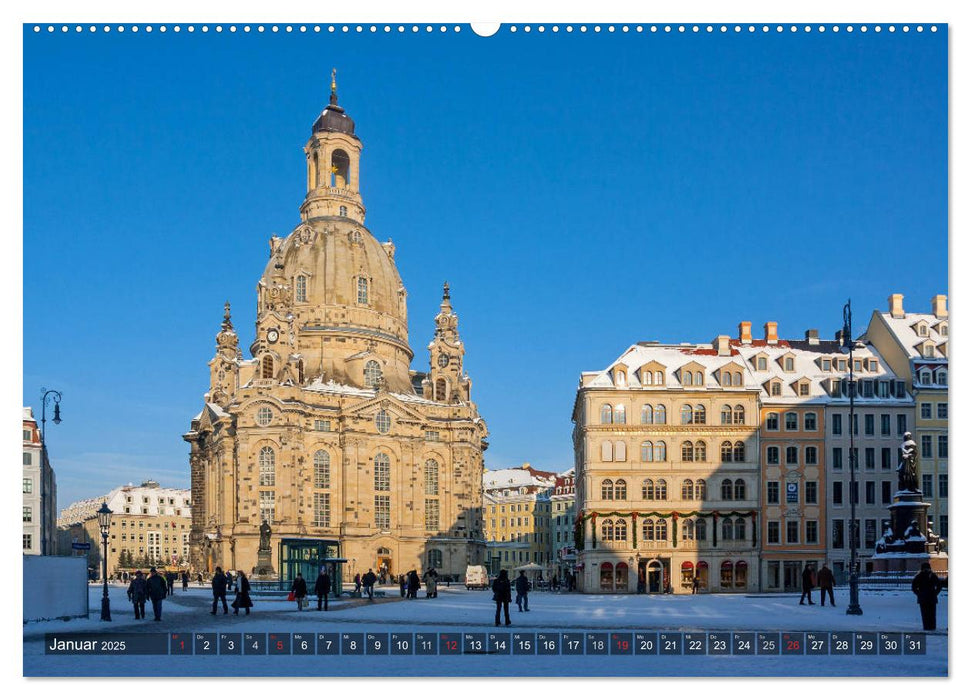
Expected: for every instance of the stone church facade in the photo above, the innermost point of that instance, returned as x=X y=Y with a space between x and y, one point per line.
x=326 y=432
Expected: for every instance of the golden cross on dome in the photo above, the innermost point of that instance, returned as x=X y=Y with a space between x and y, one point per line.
x=333 y=80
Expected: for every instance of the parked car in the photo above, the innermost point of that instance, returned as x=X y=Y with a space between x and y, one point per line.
x=476 y=578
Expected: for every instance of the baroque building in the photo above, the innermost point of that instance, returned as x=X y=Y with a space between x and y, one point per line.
x=517 y=517
x=326 y=433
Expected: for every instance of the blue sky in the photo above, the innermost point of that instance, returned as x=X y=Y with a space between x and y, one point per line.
x=579 y=192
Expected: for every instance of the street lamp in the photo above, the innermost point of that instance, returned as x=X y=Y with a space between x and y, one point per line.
x=847 y=348
x=46 y=395
x=104 y=522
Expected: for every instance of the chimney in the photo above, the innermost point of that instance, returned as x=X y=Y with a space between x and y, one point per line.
x=812 y=336
x=745 y=332
x=771 y=332
x=838 y=337
x=722 y=346
x=939 y=305
x=896 y=305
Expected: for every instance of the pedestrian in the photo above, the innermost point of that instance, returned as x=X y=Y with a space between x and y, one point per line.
x=357 y=583
x=414 y=584
x=155 y=587
x=825 y=579
x=808 y=583
x=522 y=592
x=555 y=583
x=199 y=578
x=299 y=590
x=185 y=580
x=502 y=595
x=242 y=599
x=322 y=588
x=431 y=585
x=369 y=580
x=926 y=585
x=694 y=584
x=219 y=591
x=229 y=581
x=137 y=592
x=403 y=584
x=169 y=583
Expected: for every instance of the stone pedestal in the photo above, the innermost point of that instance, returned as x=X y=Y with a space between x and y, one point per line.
x=907 y=544
x=264 y=565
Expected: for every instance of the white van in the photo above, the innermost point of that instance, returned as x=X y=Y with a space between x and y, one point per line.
x=476 y=577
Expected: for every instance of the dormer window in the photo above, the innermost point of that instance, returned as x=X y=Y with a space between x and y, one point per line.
x=872 y=365
x=762 y=364
x=789 y=363
x=922 y=330
x=826 y=364
x=925 y=377
x=775 y=389
x=942 y=329
x=942 y=377
x=620 y=377
x=804 y=388
x=687 y=379
x=659 y=377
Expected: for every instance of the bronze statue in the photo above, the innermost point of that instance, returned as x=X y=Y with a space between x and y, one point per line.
x=907 y=470
x=265 y=533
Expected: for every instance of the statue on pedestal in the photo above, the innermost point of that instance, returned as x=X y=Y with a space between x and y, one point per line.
x=265 y=533
x=907 y=469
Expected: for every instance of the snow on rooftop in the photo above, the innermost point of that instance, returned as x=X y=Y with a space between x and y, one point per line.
x=905 y=330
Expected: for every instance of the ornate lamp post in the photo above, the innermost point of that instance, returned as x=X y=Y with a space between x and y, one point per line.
x=104 y=522
x=46 y=395
x=854 y=607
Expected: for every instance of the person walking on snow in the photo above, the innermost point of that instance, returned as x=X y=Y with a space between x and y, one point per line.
x=414 y=583
x=185 y=581
x=808 y=583
x=926 y=585
x=402 y=584
x=219 y=591
x=369 y=580
x=431 y=585
x=522 y=592
x=299 y=590
x=242 y=599
x=502 y=595
x=137 y=593
x=825 y=579
x=357 y=582
x=322 y=588
x=155 y=587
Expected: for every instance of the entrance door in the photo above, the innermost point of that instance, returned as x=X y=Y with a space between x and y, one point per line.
x=384 y=564
x=792 y=575
x=655 y=577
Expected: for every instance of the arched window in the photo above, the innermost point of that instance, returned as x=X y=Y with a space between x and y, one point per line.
x=620 y=451
x=660 y=415
x=315 y=172
x=647 y=490
x=340 y=166
x=321 y=470
x=741 y=574
x=701 y=530
x=727 y=532
x=688 y=529
x=620 y=531
x=607 y=530
x=647 y=451
x=620 y=414
x=701 y=490
x=607 y=451
x=660 y=451
x=441 y=390
x=738 y=452
x=301 y=288
x=342 y=211
x=434 y=559
x=925 y=377
x=647 y=530
x=726 y=451
x=740 y=529
x=687 y=415
x=621 y=378
x=372 y=374
x=267 y=367
x=687 y=489
x=300 y=375
x=620 y=490
x=620 y=576
x=687 y=451
x=607 y=489
x=647 y=378
x=739 y=490
x=726 y=378
x=362 y=295
x=659 y=377
x=382 y=472
x=606 y=414
x=942 y=377
x=431 y=477
x=661 y=530
x=737 y=379
x=699 y=415
x=738 y=415
x=701 y=451
x=647 y=414
x=687 y=379
x=661 y=491
x=267 y=466
x=606 y=576
x=726 y=415
x=726 y=489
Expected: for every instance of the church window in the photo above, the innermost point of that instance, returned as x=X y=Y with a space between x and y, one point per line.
x=362 y=290
x=431 y=477
x=321 y=470
x=382 y=512
x=441 y=389
x=372 y=374
x=301 y=287
x=382 y=472
x=264 y=415
x=267 y=466
x=340 y=165
x=322 y=509
x=267 y=506
x=342 y=211
x=322 y=426
x=432 y=519
x=382 y=421
x=434 y=559
x=267 y=367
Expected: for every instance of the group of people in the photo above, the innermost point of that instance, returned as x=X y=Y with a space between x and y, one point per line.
x=299 y=591
x=502 y=594
x=142 y=589
x=410 y=583
x=223 y=583
x=824 y=580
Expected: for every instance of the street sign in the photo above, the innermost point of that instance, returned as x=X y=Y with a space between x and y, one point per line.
x=81 y=545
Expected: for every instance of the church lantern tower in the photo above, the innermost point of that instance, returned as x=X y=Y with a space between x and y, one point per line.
x=447 y=382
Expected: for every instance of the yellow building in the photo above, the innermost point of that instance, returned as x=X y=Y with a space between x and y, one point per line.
x=667 y=459
x=327 y=433
x=517 y=517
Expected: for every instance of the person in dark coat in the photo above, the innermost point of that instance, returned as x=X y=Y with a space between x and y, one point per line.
x=185 y=580
x=219 y=583
x=357 y=583
x=242 y=599
x=403 y=584
x=137 y=593
x=825 y=579
x=169 y=583
x=522 y=592
x=155 y=587
x=502 y=595
x=369 y=580
x=926 y=585
x=414 y=583
x=808 y=583
x=299 y=590
x=229 y=581
x=322 y=588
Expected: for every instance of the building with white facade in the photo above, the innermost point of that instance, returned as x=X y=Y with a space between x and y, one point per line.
x=40 y=492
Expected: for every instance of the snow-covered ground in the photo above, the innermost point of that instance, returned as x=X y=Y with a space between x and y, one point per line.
x=457 y=610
